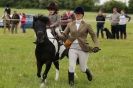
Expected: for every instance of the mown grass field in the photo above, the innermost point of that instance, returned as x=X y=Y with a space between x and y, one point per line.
x=112 y=67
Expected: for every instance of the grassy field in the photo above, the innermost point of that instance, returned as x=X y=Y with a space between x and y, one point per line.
x=112 y=67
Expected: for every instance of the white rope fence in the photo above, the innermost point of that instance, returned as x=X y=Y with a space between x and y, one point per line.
x=131 y=21
x=11 y=19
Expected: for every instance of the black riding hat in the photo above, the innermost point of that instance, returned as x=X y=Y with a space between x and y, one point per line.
x=79 y=10
x=52 y=6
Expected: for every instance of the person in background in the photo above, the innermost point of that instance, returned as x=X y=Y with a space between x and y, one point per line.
x=67 y=17
x=14 y=22
x=6 y=21
x=122 y=24
x=78 y=31
x=23 y=22
x=20 y=15
x=100 y=18
x=7 y=9
x=115 y=23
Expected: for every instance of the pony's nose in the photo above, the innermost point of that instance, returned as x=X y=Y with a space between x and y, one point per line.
x=40 y=33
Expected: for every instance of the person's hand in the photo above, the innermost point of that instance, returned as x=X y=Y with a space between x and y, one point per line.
x=96 y=49
x=51 y=26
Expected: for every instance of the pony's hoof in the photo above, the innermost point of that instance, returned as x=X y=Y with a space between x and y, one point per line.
x=42 y=85
x=57 y=75
x=56 y=79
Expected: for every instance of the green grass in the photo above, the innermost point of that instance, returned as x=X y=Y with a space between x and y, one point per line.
x=112 y=67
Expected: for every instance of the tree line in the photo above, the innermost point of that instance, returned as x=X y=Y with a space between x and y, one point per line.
x=89 y=5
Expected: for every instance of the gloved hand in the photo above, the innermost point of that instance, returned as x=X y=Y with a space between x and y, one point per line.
x=96 y=49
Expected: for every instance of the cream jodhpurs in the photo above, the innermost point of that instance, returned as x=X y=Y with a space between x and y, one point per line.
x=75 y=54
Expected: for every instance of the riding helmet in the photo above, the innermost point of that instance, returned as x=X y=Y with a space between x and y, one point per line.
x=79 y=10
x=52 y=6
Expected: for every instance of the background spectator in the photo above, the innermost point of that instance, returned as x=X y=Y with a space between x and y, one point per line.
x=100 y=23
x=114 y=23
x=7 y=9
x=14 y=22
x=6 y=21
x=23 y=22
x=122 y=24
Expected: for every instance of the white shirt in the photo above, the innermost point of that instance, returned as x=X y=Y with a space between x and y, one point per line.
x=123 y=20
x=77 y=25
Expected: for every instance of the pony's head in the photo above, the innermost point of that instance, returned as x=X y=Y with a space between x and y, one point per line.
x=40 y=23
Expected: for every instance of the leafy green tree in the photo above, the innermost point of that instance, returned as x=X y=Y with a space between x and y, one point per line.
x=130 y=6
x=97 y=1
x=108 y=6
x=88 y=4
x=63 y=4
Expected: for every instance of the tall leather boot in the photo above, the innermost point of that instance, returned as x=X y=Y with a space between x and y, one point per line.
x=71 y=78
x=89 y=75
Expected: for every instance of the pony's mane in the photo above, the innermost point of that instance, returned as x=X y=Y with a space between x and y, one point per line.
x=41 y=18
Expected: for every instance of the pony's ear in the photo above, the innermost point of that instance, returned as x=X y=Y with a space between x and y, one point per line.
x=35 y=18
x=46 y=20
x=33 y=24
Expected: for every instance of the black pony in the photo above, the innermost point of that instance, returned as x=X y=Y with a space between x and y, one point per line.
x=46 y=51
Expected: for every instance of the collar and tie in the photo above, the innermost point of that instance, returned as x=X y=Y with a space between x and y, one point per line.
x=78 y=21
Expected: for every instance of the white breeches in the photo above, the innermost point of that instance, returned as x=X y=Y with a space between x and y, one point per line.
x=75 y=54
x=52 y=39
x=58 y=30
x=55 y=43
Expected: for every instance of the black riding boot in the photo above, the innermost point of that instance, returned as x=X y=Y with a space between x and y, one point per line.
x=71 y=78
x=89 y=75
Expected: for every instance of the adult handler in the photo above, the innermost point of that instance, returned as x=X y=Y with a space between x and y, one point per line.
x=79 y=48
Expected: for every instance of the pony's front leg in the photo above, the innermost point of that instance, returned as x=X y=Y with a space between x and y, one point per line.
x=48 y=66
x=39 y=69
x=56 y=64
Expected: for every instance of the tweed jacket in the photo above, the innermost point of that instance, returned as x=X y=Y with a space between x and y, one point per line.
x=81 y=35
